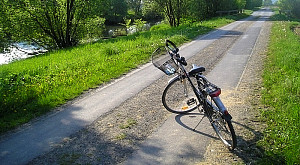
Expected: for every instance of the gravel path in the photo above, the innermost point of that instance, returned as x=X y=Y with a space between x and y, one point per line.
x=115 y=135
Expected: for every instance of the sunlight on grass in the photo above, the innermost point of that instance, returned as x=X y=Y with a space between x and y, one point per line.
x=282 y=95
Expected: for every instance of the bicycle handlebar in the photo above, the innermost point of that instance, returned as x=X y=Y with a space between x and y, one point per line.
x=175 y=51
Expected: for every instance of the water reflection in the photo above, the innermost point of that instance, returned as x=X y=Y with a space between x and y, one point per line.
x=19 y=51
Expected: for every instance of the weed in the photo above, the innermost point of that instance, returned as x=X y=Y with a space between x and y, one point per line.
x=130 y=122
x=121 y=136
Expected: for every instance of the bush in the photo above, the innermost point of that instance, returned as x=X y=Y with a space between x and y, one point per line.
x=160 y=27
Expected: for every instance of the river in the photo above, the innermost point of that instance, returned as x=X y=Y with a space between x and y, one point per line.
x=22 y=50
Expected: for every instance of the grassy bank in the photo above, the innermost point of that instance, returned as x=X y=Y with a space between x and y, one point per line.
x=281 y=94
x=32 y=87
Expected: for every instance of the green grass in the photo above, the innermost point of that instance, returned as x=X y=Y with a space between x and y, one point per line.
x=130 y=122
x=32 y=87
x=281 y=95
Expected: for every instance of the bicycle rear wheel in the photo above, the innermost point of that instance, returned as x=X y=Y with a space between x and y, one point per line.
x=179 y=97
x=224 y=129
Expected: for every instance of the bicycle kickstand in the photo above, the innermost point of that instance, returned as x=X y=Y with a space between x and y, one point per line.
x=199 y=122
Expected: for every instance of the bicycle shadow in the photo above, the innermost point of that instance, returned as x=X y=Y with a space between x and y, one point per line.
x=247 y=148
x=202 y=121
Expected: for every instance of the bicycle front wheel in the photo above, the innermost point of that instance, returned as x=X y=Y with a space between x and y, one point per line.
x=179 y=97
x=224 y=129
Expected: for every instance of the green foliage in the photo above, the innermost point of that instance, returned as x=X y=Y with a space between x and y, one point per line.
x=51 y=23
x=227 y=5
x=114 y=11
x=197 y=10
x=251 y=4
x=161 y=26
x=151 y=11
x=54 y=23
x=31 y=87
x=5 y=34
x=58 y=24
x=127 y=23
x=267 y=3
x=178 y=10
x=94 y=28
x=240 y=4
x=139 y=23
x=281 y=95
x=135 y=6
x=173 y=10
x=291 y=5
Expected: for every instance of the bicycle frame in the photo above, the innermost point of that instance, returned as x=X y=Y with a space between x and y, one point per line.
x=177 y=102
x=201 y=96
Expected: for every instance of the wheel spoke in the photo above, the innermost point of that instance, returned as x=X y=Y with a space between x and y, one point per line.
x=178 y=97
x=223 y=129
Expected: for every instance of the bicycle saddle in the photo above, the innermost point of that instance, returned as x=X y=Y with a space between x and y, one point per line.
x=196 y=69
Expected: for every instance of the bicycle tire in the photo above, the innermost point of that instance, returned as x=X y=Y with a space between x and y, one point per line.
x=174 y=99
x=224 y=129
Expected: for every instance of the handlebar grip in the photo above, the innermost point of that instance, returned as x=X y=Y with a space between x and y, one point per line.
x=167 y=44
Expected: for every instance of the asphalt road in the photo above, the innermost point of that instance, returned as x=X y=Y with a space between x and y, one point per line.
x=165 y=146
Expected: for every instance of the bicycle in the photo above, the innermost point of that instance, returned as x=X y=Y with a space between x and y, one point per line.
x=188 y=91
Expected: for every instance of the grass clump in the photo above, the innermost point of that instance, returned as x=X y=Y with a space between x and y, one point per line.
x=130 y=122
x=32 y=87
x=160 y=27
x=281 y=95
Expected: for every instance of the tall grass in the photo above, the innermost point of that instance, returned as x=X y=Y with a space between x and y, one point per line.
x=281 y=95
x=32 y=87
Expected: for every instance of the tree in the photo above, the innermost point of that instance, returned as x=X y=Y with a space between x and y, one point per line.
x=112 y=10
x=151 y=10
x=173 y=10
x=268 y=2
x=54 y=23
x=240 y=4
x=250 y=4
x=197 y=9
x=211 y=7
x=226 y=5
x=292 y=5
x=4 y=35
x=135 y=6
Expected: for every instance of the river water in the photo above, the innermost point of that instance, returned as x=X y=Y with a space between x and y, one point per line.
x=22 y=50
x=19 y=51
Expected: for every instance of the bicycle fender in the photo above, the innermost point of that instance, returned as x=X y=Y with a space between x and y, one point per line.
x=219 y=104
x=222 y=108
x=173 y=79
x=227 y=117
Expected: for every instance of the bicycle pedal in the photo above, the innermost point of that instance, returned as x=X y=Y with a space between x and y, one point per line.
x=191 y=101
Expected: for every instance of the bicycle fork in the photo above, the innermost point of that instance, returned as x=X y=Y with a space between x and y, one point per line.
x=185 y=88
